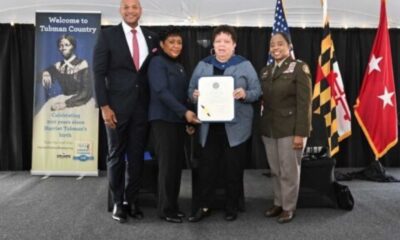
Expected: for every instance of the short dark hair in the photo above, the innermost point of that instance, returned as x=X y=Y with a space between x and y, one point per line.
x=70 y=38
x=224 y=29
x=169 y=31
x=285 y=36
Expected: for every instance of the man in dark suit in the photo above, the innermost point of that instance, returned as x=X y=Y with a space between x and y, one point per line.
x=121 y=57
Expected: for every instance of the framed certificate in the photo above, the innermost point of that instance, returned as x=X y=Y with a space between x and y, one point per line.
x=216 y=102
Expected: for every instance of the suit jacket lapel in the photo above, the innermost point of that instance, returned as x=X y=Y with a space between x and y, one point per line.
x=270 y=69
x=125 y=48
x=150 y=41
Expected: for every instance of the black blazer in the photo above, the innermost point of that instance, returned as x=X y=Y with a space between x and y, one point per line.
x=117 y=82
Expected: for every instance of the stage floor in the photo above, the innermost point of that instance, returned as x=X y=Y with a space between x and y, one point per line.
x=68 y=208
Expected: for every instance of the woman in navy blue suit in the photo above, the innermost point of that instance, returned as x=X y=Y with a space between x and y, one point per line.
x=168 y=116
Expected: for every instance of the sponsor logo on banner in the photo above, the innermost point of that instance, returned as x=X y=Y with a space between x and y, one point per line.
x=83 y=151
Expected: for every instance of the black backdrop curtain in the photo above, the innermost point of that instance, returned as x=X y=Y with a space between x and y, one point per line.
x=352 y=47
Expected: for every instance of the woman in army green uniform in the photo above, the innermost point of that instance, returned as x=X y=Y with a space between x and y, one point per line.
x=285 y=123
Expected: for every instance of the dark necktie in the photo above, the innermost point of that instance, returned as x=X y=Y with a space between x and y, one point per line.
x=276 y=70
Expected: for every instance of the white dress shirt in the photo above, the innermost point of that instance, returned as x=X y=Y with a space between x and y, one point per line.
x=143 y=49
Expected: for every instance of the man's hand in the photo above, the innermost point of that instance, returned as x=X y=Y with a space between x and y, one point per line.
x=110 y=120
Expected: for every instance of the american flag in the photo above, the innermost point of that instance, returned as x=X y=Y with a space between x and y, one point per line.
x=280 y=25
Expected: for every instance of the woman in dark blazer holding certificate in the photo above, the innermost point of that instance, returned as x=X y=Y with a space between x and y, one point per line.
x=168 y=115
x=225 y=141
x=285 y=123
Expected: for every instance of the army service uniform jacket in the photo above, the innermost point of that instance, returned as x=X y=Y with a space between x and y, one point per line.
x=286 y=99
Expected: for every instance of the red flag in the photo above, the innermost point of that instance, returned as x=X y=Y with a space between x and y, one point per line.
x=376 y=108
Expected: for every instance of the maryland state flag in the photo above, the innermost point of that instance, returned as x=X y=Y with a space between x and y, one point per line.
x=376 y=108
x=329 y=98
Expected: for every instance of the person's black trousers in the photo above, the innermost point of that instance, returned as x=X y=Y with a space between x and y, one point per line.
x=126 y=145
x=169 y=152
x=218 y=156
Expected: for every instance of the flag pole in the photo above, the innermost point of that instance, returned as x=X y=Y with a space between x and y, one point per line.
x=324 y=4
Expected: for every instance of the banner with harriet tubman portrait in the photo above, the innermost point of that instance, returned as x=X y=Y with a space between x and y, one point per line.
x=65 y=123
